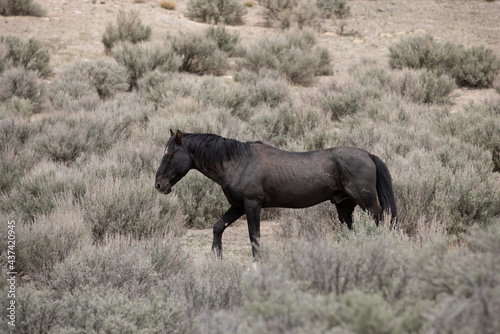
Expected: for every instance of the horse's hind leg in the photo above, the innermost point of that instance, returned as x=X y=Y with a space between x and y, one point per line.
x=367 y=199
x=345 y=210
x=371 y=205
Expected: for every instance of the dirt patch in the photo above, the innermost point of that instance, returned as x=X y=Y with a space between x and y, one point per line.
x=235 y=241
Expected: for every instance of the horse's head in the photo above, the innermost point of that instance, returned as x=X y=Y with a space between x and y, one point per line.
x=176 y=162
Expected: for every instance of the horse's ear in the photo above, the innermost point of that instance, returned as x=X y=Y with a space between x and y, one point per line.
x=171 y=133
x=179 y=136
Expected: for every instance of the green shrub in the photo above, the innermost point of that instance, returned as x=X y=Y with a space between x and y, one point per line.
x=15 y=132
x=85 y=81
x=39 y=190
x=21 y=8
x=23 y=90
x=341 y=9
x=136 y=266
x=250 y=92
x=126 y=159
x=13 y=166
x=202 y=199
x=344 y=103
x=199 y=54
x=77 y=136
x=163 y=88
x=64 y=142
x=471 y=67
x=328 y=8
x=477 y=125
x=416 y=52
x=300 y=13
x=50 y=239
x=225 y=40
x=107 y=78
x=294 y=54
x=70 y=95
x=476 y=67
x=28 y=54
x=141 y=59
x=269 y=89
x=94 y=310
x=129 y=28
x=219 y=11
x=111 y=266
x=137 y=211
x=425 y=86
x=279 y=10
x=207 y=287
x=278 y=126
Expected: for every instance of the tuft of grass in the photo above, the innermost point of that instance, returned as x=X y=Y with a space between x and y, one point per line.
x=129 y=28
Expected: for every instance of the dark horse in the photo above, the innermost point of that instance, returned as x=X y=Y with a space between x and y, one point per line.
x=255 y=176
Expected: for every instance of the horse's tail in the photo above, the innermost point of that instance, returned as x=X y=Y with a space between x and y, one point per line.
x=384 y=189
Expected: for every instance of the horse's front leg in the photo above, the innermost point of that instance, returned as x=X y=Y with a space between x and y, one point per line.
x=252 y=209
x=227 y=219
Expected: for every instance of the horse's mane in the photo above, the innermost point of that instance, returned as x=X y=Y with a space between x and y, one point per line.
x=211 y=151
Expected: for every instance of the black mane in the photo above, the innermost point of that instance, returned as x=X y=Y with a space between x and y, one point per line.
x=211 y=151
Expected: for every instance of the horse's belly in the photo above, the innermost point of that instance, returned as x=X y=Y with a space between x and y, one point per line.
x=297 y=195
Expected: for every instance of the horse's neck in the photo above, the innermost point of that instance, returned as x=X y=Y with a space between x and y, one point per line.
x=215 y=174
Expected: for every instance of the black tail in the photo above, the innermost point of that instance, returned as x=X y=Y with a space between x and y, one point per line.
x=384 y=189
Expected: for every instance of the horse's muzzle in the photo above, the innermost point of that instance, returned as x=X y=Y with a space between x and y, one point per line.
x=165 y=190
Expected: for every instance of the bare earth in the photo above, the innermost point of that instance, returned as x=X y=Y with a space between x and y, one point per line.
x=73 y=30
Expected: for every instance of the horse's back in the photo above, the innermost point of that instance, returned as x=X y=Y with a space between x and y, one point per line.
x=294 y=179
